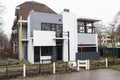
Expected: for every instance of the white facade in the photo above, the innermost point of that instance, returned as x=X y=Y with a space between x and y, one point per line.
x=89 y=39
x=70 y=25
x=46 y=39
x=66 y=45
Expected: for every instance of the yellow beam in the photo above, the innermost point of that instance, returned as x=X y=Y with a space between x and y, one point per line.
x=20 y=40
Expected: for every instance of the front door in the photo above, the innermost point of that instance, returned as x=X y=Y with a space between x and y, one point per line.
x=59 y=52
x=59 y=49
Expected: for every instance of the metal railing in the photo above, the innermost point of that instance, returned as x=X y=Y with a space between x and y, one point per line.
x=24 y=36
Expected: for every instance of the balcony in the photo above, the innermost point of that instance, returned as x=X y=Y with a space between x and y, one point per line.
x=86 y=38
x=24 y=37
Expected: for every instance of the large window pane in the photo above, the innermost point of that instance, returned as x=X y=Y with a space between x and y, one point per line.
x=46 y=51
x=52 y=27
x=36 y=54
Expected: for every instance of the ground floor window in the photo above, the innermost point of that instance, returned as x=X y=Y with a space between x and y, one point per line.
x=46 y=51
x=36 y=54
x=42 y=51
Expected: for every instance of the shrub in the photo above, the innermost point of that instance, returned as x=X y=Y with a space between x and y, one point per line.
x=9 y=61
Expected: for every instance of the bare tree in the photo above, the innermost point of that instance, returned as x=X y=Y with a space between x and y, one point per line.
x=1 y=11
x=4 y=42
x=117 y=18
x=112 y=33
x=1 y=31
x=114 y=30
x=99 y=31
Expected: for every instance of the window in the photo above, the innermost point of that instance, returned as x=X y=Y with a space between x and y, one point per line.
x=80 y=27
x=46 y=27
x=46 y=51
x=52 y=27
x=58 y=30
x=36 y=54
x=86 y=27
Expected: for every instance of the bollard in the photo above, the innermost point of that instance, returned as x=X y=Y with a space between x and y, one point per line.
x=78 y=65
x=6 y=71
x=53 y=67
x=106 y=62
x=24 y=70
x=88 y=64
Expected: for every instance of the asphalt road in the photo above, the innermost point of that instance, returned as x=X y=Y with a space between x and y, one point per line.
x=100 y=74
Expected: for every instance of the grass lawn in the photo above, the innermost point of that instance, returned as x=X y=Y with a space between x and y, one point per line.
x=115 y=67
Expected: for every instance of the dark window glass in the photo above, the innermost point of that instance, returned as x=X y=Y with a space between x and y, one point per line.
x=58 y=30
x=52 y=27
x=87 y=49
x=46 y=51
x=36 y=54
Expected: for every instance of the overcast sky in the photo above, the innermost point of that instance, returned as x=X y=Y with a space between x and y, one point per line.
x=99 y=9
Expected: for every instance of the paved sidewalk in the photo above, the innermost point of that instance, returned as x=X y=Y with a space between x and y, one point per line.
x=100 y=74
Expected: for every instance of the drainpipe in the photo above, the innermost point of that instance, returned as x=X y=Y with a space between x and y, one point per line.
x=68 y=47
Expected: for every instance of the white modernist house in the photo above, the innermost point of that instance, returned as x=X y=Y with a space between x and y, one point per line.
x=53 y=37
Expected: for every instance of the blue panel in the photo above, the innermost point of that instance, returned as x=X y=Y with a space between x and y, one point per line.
x=87 y=55
x=54 y=54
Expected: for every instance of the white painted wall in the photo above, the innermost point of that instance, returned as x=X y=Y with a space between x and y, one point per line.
x=44 y=38
x=70 y=24
x=30 y=51
x=30 y=48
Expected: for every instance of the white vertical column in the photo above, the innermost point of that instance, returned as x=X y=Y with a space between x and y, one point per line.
x=78 y=65
x=106 y=62
x=24 y=70
x=53 y=67
x=65 y=50
x=88 y=64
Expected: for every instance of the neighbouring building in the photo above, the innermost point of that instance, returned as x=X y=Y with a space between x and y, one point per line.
x=24 y=10
x=42 y=35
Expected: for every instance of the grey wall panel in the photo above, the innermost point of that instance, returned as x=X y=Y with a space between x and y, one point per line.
x=36 y=18
x=87 y=55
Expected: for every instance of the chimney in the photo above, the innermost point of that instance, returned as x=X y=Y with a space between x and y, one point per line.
x=66 y=10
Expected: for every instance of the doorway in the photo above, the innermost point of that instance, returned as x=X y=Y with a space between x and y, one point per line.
x=59 y=46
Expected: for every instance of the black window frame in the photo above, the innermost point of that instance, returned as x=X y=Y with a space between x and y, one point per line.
x=53 y=27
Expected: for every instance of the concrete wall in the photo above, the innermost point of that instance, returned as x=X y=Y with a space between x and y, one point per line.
x=36 y=18
x=70 y=24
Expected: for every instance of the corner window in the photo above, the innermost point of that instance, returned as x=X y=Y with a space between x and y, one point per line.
x=52 y=27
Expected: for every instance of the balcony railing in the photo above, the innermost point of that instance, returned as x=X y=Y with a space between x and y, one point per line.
x=25 y=37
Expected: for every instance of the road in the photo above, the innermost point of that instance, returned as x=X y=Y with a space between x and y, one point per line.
x=100 y=74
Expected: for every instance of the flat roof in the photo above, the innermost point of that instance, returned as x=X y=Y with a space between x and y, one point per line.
x=88 y=19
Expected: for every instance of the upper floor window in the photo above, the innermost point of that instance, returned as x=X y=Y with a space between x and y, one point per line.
x=86 y=27
x=53 y=27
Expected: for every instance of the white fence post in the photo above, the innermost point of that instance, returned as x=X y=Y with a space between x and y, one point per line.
x=53 y=67
x=78 y=65
x=24 y=70
x=88 y=64
x=106 y=62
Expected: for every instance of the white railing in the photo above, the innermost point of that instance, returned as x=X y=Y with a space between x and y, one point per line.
x=83 y=63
